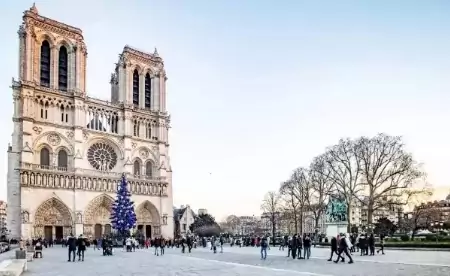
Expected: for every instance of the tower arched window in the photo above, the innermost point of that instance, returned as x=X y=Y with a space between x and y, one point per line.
x=137 y=167
x=62 y=68
x=45 y=64
x=45 y=157
x=62 y=159
x=148 y=90
x=149 y=169
x=135 y=87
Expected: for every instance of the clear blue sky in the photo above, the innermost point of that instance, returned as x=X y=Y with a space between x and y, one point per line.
x=257 y=88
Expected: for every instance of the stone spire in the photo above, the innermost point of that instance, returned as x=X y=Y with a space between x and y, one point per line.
x=33 y=9
x=155 y=53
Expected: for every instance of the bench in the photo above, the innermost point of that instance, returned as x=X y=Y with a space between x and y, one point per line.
x=13 y=267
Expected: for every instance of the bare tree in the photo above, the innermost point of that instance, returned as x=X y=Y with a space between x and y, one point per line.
x=300 y=185
x=345 y=167
x=290 y=204
x=322 y=186
x=271 y=206
x=233 y=223
x=421 y=215
x=387 y=172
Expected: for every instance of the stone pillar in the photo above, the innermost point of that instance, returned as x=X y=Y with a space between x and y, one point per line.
x=162 y=93
x=54 y=67
x=29 y=55
x=22 y=52
x=121 y=80
x=156 y=92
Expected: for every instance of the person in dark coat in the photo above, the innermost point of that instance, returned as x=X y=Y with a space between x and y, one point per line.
x=299 y=247
x=371 y=243
x=72 y=246
x=294 y=246
x=81 y=244
x=344 y=245
x=334 y=249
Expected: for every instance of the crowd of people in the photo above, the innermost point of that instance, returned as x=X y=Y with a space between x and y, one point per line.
x=298 y=246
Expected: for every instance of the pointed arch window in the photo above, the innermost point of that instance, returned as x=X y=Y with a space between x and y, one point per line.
x=135 y=87
x=45 y=157
x=149 y=169
x=137 y=167
x=45 y=64
x=62 y=68
x=62 y=159
x=148 y=90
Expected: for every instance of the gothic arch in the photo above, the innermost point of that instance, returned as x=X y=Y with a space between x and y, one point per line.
x=147 y=213
x=63 y=42
x=46 y=36
x=64 y=138
x=137 y=166
x=62 y=147
x=137 y=67
x=147 y=70
x=53 y=212
x=151 y=155
x=98 y=210
x=37 y=149
x=114 y=144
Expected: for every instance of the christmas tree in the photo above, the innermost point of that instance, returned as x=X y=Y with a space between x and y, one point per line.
x=123 y=218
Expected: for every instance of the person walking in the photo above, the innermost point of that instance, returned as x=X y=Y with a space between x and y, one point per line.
x=72 y=247
x=294 y=246
x=381 y=245
x=264 y=245
x=344 y=245
x=81 y=244
x=334 y=249
x=307 y=247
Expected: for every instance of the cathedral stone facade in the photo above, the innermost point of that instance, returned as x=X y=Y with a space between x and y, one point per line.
x=69 y=150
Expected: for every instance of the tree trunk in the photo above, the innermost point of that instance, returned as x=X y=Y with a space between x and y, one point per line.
x=301 y=223
x=296 y=222
x=349 y=226
x=273 y=230
x=370 y=217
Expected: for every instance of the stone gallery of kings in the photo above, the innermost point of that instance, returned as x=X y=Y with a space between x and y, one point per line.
x=68 y=150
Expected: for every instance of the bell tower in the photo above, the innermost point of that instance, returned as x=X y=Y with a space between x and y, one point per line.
x=52 y=54
x=139 y=80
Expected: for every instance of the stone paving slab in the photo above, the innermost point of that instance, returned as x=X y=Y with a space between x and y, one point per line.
x=202 y=262
x=391 y=256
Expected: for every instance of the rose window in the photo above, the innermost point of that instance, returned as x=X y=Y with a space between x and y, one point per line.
x=102 y=157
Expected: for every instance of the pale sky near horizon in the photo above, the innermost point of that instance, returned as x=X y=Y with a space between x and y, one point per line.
x=257 y=88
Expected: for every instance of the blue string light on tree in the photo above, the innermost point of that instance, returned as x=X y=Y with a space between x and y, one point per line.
x=123 y=217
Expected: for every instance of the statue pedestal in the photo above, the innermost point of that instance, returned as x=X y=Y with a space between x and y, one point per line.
x=335 y=228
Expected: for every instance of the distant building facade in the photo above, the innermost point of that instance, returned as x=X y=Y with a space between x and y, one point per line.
x=3 y=224
x=183 y=218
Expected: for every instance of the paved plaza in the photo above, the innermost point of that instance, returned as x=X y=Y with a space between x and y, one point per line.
x=238 y=261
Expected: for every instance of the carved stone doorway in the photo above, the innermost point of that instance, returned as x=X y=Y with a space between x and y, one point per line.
x=97 y=216
x=98 y=231
x=148 y=231
x=108 y=229
x=52 y=220
x=48 y=232
x=148 y=219
x=59 y=232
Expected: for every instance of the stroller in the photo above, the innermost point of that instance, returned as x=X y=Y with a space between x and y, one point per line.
x=108 y=251
x=108 y=248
